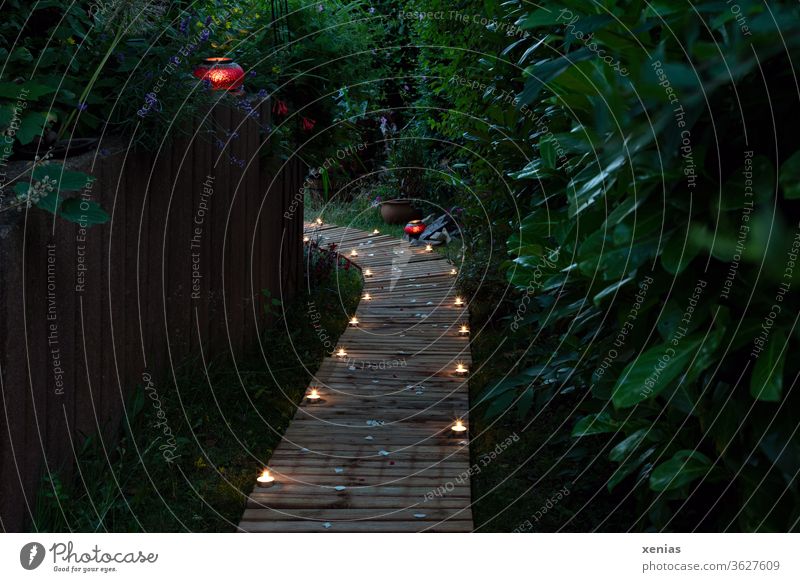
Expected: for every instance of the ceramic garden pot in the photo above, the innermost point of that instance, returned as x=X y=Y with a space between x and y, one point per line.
x=399 y=211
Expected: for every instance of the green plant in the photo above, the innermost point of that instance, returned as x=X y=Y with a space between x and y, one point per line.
x=44 y=186
x=320 y=81
x=604 y=205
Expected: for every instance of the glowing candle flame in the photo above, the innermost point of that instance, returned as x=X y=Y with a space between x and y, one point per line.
x=461 y=370
x=453 y=272
x=265 y=479
x=306 y=239
x=459 y=301
x=319 y=220
x=341 y=353
x=459 y=426
x=367 y=297
x=367 y=273
x=313 y=395
x=376 y=231
x=428 y=248
x=354 y=253
x=354 y=321
x=464 y=330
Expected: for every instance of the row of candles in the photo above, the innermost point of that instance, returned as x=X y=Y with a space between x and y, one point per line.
x=458 y=430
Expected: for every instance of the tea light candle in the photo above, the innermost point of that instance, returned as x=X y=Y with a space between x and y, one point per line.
x=366 y=297
x=458 y=428
x=367 y=273
x=461 y=369
x=453 y=271
x=459 y=302
x=313 y=396
x=354 y=321
x=428 y=248
x=319 y=221
x=354 y=253
x=265 y=479
x=341 y=353
x=376 y=231
x=306 y=239
x=463 y=330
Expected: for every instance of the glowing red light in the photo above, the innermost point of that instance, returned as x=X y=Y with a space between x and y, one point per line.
x=415 y=228
x=222 y=72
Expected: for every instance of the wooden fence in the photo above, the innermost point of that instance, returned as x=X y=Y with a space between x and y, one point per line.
x=86 y=314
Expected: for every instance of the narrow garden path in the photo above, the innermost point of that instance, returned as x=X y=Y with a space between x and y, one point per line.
x=379 y=454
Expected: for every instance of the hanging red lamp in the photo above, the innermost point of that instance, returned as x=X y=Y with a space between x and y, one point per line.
x=222 y=73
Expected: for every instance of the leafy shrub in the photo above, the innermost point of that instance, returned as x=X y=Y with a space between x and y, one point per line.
x=631 y=151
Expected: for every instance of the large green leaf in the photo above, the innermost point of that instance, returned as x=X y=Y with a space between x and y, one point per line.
x=679 y=251
x=29 y=91
x=543 y=71
x=650 y=373
x=499 y=405
x=766 y=382
x=627 y=468
x=539 y=18
x=599 y=423
x=684 y=467
x=548 y=152
x=31 y=126
x=628 y=445
x=49 y=202
x=83 y=212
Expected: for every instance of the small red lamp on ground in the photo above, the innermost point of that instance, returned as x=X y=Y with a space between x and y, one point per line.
x=415 y=228
x=222 y=73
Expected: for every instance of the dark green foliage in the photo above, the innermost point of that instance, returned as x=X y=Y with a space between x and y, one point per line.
x=621 y=189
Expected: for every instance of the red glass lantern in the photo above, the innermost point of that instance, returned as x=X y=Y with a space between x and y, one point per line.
x=415 y=228
x=222 y=72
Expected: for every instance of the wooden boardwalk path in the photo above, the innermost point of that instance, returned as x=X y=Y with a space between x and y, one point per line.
x=373 y=456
